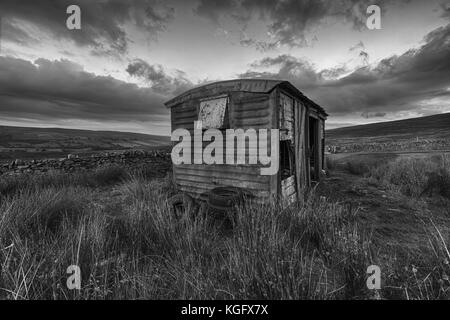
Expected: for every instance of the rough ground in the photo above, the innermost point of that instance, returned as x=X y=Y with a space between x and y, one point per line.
x=395 y=223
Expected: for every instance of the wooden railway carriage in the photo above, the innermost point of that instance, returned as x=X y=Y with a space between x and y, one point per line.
x=253 y=104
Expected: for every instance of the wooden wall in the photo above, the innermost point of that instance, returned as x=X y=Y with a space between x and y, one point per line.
x=320 y=145
x=300 y=148
x=245 y=111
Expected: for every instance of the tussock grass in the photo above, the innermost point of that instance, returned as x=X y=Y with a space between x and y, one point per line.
x=312 y=250
x=417 y=270
x=421 y=273
x=416 y=177
x=145 y=252
x=103 y=176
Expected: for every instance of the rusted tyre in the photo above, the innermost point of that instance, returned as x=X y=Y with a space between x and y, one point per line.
x=181 y=205
x=224 y=198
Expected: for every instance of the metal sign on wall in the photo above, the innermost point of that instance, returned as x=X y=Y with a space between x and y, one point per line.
x=212 y=112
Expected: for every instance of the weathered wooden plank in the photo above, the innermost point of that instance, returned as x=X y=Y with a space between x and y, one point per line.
x=300 y=136
x=249 y=110
x=201 y=188
x=287 y=182
x=241 y=168
x=186 y=122
x=251 y=107
x=288 y=192
x=241 y=114
x=223 y=174
x=191 y=116
x=252 y=123
x=319 y=147
x=231 y=181
x=215 y=181
x=251 y=99
x=286 y=122
x=186 y=107
x=273 y=106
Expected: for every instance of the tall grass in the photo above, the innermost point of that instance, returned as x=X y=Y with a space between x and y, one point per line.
x=103 y=176
x=422 y=271
x=312 y=250
x=415 y=177
x=305 y=252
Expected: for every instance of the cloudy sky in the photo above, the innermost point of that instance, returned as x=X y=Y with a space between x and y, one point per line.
x=131 y=56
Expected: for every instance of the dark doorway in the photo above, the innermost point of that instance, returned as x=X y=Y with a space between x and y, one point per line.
x=313 y=152
x=287 y=163
x=287 y=171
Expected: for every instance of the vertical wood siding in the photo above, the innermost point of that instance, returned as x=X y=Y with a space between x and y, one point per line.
x=286 y=123
x=319 y=144
x=300 y=147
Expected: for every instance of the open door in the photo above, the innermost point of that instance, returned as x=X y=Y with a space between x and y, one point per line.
x=313 y=150
x=287 y=171
x=287 y=149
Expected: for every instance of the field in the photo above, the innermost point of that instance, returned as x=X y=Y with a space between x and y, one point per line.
x=417 y=134
x=384 y=208
x=116 y=225
x=42 y=143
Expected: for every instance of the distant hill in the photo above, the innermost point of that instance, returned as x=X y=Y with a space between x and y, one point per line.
x=26 y=142
x=435 y=126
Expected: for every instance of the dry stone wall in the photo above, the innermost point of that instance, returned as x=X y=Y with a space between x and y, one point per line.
x=159 y=160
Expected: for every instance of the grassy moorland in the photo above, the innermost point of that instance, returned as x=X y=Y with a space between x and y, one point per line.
x=405 y=203
x=424 y=134
x=435 y=125
x=116 y=225
x=41 y=143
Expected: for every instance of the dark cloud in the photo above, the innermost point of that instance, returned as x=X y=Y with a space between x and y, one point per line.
x=368 y=115
x=333 y=73
x=445 y=5
x=103 y=21
x=300 y=69
x=398 y=83
x=158 y=79
x=62 y=90
x=262 y=46
x=289 y=20
x=213 y=9
x=12 y=32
